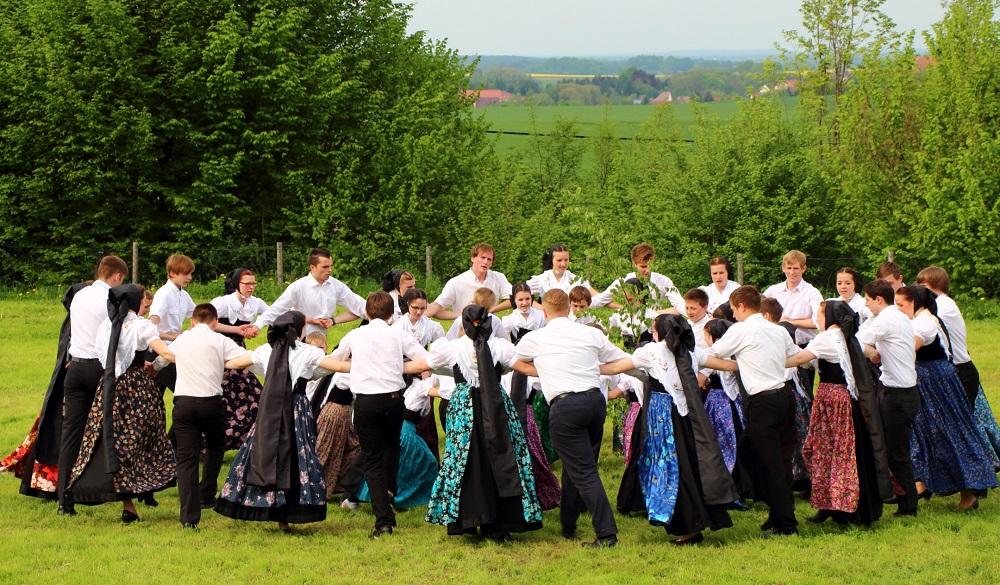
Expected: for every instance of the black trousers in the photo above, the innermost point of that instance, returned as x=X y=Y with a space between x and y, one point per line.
x=197 y=422
x=378 y=420
x=899 y=406
x=767 y=417
x=167 y=378
x=576 y=426
x=969 y=376
x=79 y=390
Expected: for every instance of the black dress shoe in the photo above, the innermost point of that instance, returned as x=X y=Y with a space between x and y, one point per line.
x=776 y=532
x=904 y=513
x=820 y=517
x=925 y=495
x=190 y=525
x=149 y=500
x=569 y=533
x=208 y=504
x=129 y=517
x=689 y=540
x=380 y=531
x=606 y=542
x=66 y=510
x=767 y=525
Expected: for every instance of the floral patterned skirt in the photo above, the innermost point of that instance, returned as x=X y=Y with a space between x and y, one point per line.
x=465 y=495
x=240 y=392
x=628 y=427
x=988 y=427
x=829 y=451
x=145 y=458
x=416 y=473
x=546 y=482
x=948 y=450
x=303 y=502
x=659 y=471
x=541 y=408
x=337 y=444
x=803 y=412
x=42 y=482
x=721 y=413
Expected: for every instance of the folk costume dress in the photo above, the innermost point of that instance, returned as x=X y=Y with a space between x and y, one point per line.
x=486 y=483
x=838 y=450
x=276 y=475
x=337 y=444
x=949 y=451
x=125 y=452
x=35 y=460
x=425 y=331
x=240 y=387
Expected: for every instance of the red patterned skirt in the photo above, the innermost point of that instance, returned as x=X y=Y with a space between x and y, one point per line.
x=829 y=451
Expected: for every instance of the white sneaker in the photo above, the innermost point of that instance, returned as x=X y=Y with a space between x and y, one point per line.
x=349 y=505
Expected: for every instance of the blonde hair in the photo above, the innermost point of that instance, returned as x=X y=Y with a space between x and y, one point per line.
x=555 y=301
x=794 y=257
x=317 y=338
x=484 y=297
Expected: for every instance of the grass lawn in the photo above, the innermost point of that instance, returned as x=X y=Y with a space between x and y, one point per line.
x=940 y=546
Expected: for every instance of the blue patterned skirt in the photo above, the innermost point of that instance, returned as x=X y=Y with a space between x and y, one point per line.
x=304 y=501
x=465 y=495
x=417 y=471
x=722 y=413
x=948 y=450
x=803 y=412
x=659 y=471
x=988 y=427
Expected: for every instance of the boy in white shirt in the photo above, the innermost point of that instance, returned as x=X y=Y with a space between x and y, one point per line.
x=172 y=305
x=643 y=256
x=458 y=291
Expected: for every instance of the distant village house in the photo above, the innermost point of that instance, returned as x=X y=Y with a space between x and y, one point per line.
x=489 y=97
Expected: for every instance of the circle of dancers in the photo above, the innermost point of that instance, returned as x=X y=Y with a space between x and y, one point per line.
x=715 y=399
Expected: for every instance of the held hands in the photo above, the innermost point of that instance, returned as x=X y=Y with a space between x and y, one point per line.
x=323 y=322
x=249 y=331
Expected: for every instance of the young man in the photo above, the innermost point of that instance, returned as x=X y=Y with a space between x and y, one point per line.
x=580 y=298
x=172 y=305
x=643 y=256
x=887 y=339
x=721 y=286
x=760 y=349
x=889 y=272
x=376 y=351
x=936 y=279
x=315 y=295
x=458 y=291
x=799 y=299
x=83 y=375
x=566 y=357
x=199 y=415
x=696 y=305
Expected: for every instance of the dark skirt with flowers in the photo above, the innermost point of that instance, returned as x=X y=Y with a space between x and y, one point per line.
x=145 y=457
x=948 y=450
x=465 y=496
x=546 y=482
x=803 y=412
x=988 y=427
x=40 y=482
x=240 y=392
x=337 y=444
x=540 y=406
x=305 y=499
x=726 y=417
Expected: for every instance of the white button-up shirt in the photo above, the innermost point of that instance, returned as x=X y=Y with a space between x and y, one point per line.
x=535 y=319
x=949 y=314
x=231 y=309
x=136 y=335
x=891 y=333
x=303 y=361
x=376 y=351
x=801 y=302
x=458 y=291
x=567 y=356
x=315 y=300
x=546 y=281
x=664 y=287
x=425 y=331
x=86 y=313
x=172 y=305
x=717 y=297
x=201 y=356
x=760 y=348
x=462 y=352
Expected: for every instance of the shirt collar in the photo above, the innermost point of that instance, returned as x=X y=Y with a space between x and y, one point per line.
x=101 y=284
x=798 y=288
x=197 y=325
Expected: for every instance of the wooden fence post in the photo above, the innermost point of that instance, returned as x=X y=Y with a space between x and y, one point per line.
x=428 y=264
x=739 y=268
x=135 y=262
x=279 y=272
x=891 y=256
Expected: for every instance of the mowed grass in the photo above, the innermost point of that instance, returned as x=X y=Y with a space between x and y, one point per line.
x=940 y=546
x=626 y=120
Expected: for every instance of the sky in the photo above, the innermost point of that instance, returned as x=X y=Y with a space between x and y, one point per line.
x=627 y=27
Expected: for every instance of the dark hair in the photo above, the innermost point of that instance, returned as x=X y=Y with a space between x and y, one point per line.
x=935 y=277
x=580 y=293
x=110 y=266
x=858 y=286
x=550 y=254
x=640 y=289
x=413 y=294
x=772 y=307
x=520 y=287
x=748 y=296
x=880 y=289
x=379 y=305
x=717 y=328
x=316 y=254
x=205 y=313
x=724 y=311
x=921 y=296
x=697 y=295
x=716 y=260
x=889 y=268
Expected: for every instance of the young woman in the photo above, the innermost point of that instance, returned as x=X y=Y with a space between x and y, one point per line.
x=486 y=484
x=948 y=450
x=241 y=389
x=524 y=317
x=125 y=452
x=849 y=288
x=426 y=332
x=722 y=285
x=555 y=273
x=396 y=282
x=838 y=450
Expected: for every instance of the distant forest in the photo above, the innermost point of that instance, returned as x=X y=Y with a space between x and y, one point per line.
x=654 y=64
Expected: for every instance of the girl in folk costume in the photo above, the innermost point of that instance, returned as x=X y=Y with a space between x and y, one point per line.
x=679 y=468
x=397 y=282
x=524 y=317
x=838 y=450
x=486 y=483
x=276 y=475
x=948 y=450
x=722 y=285
x=555 y=273
x=425 y=331
x=849 y=287
x=125 y=452
x=241 y=389
x=35 y=459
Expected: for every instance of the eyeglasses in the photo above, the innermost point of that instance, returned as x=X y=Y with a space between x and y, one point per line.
x=248 y=284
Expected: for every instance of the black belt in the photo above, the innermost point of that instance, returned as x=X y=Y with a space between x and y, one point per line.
x=396 y=394
x=85 y=360
x=768 y=392
x=565 y=394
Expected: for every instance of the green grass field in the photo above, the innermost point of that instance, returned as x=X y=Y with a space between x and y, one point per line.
x=940 y=546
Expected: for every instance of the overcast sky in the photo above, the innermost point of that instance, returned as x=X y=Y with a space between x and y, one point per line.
x=627 y=27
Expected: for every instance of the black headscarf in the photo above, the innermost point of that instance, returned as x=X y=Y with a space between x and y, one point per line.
x=717 y=483
x=50 y=419
x=121 y=300
x=925 y=298
x=841 y=314
x=478 y=326
x=232 y=282
x=270 y=458
x=717 y=328
x=390 y=282
x=724 y=311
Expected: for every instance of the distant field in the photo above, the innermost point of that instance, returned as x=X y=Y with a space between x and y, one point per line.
x=626 y=120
